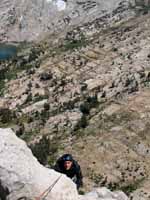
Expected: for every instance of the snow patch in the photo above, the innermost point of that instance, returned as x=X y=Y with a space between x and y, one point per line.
x=61 y=5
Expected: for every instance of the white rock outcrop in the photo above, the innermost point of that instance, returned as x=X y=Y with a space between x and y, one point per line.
x=22 y=177
x=104 y=194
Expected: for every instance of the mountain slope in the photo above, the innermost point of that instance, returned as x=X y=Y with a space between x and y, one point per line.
x=85 y=90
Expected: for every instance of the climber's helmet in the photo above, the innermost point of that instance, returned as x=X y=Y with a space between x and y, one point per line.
x=68 y=161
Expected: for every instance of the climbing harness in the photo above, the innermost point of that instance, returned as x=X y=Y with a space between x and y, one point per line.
x=44 y=194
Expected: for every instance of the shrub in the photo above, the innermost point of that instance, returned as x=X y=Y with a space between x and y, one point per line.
x=75 y=43
x=45 y=150
x=6 y=115
x=41 y=149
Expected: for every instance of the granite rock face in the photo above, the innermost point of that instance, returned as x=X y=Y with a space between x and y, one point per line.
x=21 y=176
x=27 y=20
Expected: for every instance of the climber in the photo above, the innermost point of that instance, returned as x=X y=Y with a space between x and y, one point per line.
x=67 y=165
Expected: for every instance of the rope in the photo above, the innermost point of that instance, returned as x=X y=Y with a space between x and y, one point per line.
x=44 y=194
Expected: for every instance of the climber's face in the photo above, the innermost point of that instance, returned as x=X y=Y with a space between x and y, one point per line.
x=68 y=164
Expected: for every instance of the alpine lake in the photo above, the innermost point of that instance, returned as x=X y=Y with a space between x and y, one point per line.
x=7 y=51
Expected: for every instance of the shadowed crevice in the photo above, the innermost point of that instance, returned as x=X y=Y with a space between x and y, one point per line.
x=4 y=192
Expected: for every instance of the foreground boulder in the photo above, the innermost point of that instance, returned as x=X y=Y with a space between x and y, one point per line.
x=22 y=177
x=104 y=194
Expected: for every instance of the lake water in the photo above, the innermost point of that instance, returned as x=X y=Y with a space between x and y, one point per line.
x=7 y=51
